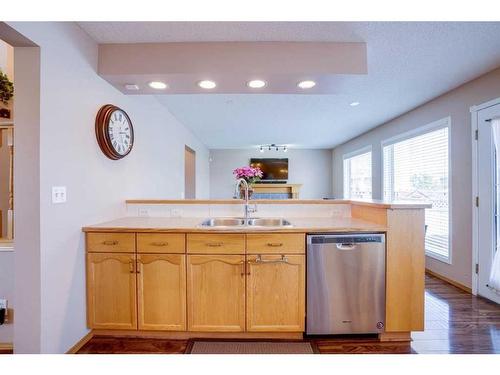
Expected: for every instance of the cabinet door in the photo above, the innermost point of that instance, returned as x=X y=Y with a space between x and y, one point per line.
x=161 y=292
x=276 y=293
x=111 y=291
x=216 y=292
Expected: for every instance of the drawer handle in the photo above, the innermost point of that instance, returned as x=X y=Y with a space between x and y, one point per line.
x=283 y=259
x=159 y=243
x=275 y=244
x=214 y=244
x=110 y=243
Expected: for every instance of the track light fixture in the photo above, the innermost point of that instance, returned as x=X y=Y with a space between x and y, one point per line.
x=273 y=146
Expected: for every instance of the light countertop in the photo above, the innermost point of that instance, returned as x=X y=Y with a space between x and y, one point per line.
x=169 y=224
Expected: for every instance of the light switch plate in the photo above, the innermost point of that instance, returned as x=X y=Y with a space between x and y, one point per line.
x=58 y=194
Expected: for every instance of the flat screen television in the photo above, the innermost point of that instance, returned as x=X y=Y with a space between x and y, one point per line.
x=273 y=169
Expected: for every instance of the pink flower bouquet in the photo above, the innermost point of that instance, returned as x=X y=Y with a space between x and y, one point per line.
x=250 y=174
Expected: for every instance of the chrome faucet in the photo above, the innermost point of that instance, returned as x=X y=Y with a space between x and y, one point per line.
x=248 y=209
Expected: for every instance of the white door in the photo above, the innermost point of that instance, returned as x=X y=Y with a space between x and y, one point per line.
x=489 y=194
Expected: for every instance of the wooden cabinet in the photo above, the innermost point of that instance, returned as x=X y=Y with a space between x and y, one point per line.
x=215 y=243
x=275 y=293
x=145 y=281
x=161 y=291
x=111 y=291
x=405 y=271
x=216 y=293
x=161 y=243
x=276 y=243
x=111 y=242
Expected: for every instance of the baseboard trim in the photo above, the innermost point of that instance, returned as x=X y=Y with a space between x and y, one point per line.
x=85 y=339
x=449 y=281
x=185 y=335
x=394 y=336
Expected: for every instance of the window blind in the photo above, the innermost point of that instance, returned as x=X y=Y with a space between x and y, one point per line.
x=358 y=176
x=417 y=169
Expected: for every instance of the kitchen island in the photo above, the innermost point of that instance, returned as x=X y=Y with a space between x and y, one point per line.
x=152 y=274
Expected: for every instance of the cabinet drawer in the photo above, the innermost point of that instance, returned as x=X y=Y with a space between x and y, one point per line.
x=276 y=243
x=165 y=243
x=216 y=243
x=111 y=242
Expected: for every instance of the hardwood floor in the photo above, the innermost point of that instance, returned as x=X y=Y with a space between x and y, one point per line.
x=455 y=322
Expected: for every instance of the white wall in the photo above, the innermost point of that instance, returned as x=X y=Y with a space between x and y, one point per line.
x=456 y=104
x=312 y=168
x=71 y=93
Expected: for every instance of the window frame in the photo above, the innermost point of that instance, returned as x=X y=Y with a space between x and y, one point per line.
x=421 y=130
x=349 y=155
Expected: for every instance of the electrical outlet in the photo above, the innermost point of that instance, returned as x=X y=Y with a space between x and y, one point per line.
x=143 y=212
x=58 y=194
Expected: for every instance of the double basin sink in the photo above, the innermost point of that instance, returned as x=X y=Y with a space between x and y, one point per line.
x=242 y=222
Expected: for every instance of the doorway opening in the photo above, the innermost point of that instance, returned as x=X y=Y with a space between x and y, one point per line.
x=189 y=173
x=486 y=190
x=6 y=145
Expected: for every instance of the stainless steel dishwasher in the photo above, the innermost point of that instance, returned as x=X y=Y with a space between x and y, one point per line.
x=345 y=283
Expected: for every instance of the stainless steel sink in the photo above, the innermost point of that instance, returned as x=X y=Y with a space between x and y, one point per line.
x=241 y=222
x=269 y=222
x=223 y=222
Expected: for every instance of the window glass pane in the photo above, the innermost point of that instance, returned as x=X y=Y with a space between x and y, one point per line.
x=417 y=169
x=358 y=176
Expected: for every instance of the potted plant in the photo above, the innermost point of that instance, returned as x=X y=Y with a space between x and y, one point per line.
x=6 y=93
x=250 y=175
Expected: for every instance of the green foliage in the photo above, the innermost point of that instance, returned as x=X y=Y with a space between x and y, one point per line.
x=422 y=181
x=6 y=88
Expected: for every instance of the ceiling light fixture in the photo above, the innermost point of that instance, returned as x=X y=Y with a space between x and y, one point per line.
x=256 y=84
x=354 y=104
x=207 y=84
x=273 y=146
x=132 y=87
x=158 y=85
x=308 y=84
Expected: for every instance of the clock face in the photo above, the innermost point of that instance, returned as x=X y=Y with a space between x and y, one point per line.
x=114 y=132
x=120 y=132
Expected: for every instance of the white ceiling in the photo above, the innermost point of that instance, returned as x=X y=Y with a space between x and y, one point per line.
x=408 y=64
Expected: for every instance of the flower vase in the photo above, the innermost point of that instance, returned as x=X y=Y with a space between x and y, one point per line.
x=242 y=192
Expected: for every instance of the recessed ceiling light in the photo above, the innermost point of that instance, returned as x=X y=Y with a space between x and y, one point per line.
x=306 y=84
x=256 y=84
x=131 y=87
x=206 y=84
x=354 y=104
x=158 y=85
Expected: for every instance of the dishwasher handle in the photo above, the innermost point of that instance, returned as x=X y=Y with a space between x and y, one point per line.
x=346 y=246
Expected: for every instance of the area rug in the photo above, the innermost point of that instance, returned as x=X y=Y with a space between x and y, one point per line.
x=249 y=347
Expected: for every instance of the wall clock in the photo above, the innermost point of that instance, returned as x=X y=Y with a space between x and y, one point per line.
x=114 y=132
